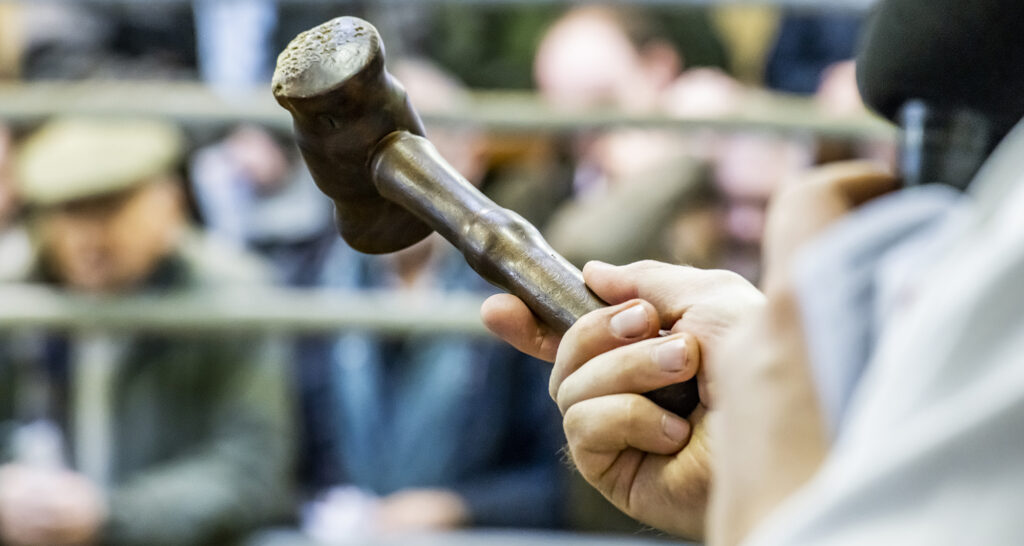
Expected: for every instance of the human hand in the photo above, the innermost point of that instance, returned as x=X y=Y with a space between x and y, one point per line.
x=770 y=437
x=340 y=513
x=421 y=510
x=711 y=299
x=254 y=152
x=651 y=464
x=799 y=214
x=48 y=506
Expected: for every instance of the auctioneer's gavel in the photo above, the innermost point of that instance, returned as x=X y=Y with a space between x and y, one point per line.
x=364 y=145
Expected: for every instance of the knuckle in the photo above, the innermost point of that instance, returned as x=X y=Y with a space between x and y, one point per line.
x=648 y=264
x=588 y=327
x=675 y=275
x=732 y=281
x=549 y=347
x=563 y=397
x=573 y=424
x=724 y=276
x=592 y=331
x=633 y=410
x=643 y=266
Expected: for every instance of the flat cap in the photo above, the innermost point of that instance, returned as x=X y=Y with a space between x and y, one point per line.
x=78 y=158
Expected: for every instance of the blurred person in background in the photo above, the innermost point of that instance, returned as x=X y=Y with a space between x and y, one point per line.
x=14 y=239
x=173 y=441
x=492 y=46
x=59 y=40
x=838 y=98
x=812 y=57
x=427 y=433
x=837 y=94
x=807 y=45
x=234 y=42
x=252 y=191
x=74 y=40
x=619 y=57
x=750 y=168
x=629 y=184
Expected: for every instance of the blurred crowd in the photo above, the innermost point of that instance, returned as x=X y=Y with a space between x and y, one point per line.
x=209 y=439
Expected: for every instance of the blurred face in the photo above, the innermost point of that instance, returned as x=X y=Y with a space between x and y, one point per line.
x=583 y=61
x=749 y=170
x=256 y=153
x=112 y=243
x=587 y=60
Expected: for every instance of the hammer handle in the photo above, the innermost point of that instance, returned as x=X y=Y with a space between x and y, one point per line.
x=497 y=243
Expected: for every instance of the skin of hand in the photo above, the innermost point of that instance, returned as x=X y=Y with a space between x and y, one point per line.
x=770 y=436
x=651 y=464
x=48 y=506
x=623 y=444
x=421 y=510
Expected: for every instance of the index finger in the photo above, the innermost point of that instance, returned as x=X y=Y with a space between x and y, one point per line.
x=511 y=320
x=671 y=289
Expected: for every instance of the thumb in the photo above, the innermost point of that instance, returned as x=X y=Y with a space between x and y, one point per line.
x=808 y=206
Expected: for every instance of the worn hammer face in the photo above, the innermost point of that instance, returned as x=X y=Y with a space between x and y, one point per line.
x=344 y=102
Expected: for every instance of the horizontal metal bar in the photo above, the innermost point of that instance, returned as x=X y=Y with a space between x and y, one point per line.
x=846 y=5
x=515 y=112
x=263 y=309
x=184 y=102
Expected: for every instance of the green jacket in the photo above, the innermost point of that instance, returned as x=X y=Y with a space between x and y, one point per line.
x=201 y=449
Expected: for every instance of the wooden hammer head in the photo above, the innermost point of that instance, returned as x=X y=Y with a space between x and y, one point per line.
x=344 y=103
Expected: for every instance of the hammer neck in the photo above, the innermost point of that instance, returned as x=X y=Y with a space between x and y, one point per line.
x=497 y=243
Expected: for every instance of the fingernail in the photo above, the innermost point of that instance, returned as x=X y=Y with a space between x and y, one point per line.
x=630 y=323
x=598 y=264
x=678 y=430
x=595 y=266
x=671 y=355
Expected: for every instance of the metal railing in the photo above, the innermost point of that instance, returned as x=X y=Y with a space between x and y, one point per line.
x=846 y=5
x=277 y=310
x=516 y=112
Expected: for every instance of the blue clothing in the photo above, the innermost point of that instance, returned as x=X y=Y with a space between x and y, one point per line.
x=234 y=41
x=460 y=412
x=807 y=45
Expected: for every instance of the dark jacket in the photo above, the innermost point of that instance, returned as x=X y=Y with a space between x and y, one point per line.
x=459 y=412
x=200 y=449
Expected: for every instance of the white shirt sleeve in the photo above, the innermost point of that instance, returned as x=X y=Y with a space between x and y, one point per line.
x=932 y=449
